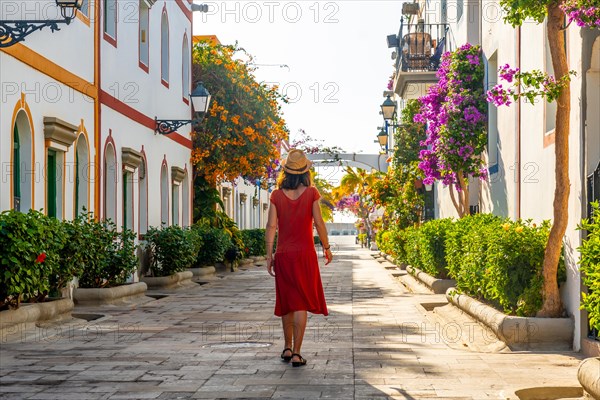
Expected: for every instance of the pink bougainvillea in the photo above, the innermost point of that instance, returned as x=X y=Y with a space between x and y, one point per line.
x=585 y=13
x=454 y=110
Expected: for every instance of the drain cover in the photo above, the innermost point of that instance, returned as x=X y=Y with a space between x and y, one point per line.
x=233 y=345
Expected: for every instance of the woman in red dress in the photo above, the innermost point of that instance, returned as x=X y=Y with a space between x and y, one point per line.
x=294 y=207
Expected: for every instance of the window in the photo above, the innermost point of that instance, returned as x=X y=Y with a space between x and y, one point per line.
x=492 y=80
x=110 y=183
x=550 y=108
x=110 y=18
x=164 y=195
x=185 y=90
x=185 y=201
x=175 y=204
x=85 y=8
x=143 y=209
x=164 y=48
x=82 y=175
x=459 y=9
x=16 y=170
x=127 y=200
x=144 y=35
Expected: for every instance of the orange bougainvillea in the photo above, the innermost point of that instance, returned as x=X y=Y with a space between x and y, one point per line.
x=243 y=126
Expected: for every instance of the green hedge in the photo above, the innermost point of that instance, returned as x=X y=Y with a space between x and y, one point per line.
x=41 y=254
x=492 y=259
x=254 y=242
x=214 y=243
x=173 y=249
x=590 y=266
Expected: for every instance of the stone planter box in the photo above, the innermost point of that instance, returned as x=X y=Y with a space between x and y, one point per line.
x=259 y=258
x=437 y=286
x=27 y=316
x=176 y=280
x=204 y=271
x=519 y=333
x=589 y=377
x=246 y=261
x=590 y=347
x=124 y=294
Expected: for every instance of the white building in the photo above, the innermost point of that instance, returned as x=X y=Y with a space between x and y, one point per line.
x=246 y=204
x=78 y=112
x=520 y=154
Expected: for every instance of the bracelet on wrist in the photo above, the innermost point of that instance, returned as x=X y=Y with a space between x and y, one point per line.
x=326 y=248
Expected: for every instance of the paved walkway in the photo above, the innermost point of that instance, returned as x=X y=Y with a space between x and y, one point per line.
x=214 y=341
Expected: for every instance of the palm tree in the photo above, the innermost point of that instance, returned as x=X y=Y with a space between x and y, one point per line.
x=327 y=201
x=356 y=182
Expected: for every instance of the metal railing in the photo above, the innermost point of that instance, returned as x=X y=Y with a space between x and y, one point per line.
x=421 y=46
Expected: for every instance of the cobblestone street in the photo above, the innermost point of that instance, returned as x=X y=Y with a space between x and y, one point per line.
x=221 y=340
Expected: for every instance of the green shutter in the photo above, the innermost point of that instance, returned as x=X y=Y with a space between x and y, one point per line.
x=125 y=206
x=51 y=183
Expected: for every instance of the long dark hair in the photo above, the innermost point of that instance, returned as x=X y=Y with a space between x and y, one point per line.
x=292 y=181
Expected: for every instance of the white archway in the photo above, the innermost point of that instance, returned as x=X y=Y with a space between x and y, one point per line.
x=364 y=161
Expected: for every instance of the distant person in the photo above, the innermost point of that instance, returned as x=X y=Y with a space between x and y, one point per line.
x=295 y=266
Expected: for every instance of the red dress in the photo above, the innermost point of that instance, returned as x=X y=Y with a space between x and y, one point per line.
x=297 y=277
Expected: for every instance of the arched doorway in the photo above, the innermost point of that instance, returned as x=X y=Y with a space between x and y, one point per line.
x=22 y=177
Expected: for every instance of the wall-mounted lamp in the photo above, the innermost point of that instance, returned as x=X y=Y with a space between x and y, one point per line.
x=200 y=101
x=15 y=31
x=388 y=109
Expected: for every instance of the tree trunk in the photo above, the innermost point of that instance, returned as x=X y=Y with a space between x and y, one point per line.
x=552 y=306
x=462 y=203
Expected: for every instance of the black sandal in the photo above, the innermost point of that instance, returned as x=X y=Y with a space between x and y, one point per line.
x=286 y=358
x=298 y=363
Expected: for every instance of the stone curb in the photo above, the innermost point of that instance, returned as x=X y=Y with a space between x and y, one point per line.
x=437 y=286
x=99 y=296
x=163 y=282
x=391 y=259
x=589 y=376
x=26 y=315
x=204 y=271
x=519 y=333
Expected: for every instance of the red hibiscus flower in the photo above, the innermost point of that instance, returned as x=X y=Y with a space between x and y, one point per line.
x=41 y=258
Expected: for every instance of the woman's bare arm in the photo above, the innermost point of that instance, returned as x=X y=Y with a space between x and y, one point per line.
x=270 y=236
x=321 y=230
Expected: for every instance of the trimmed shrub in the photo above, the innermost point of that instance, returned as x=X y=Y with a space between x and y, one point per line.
x=431 y=255
x=31 y=244
x=254 y=242
x=114 y=255
x=214 y=243
x=590 y=266
x=173 y=249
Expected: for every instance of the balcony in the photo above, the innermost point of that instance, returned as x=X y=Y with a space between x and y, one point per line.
x=419 y=49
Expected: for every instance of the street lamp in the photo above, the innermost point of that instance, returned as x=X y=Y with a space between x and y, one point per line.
x=15 y=31
x=382 y=138
x=388 y=109
x=200 y=102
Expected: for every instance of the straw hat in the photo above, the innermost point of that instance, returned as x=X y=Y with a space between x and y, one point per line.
x=296 y=162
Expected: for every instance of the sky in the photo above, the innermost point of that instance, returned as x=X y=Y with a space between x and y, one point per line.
x=330 y=58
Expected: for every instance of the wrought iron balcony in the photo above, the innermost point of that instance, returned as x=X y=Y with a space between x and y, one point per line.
x=419 y=49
